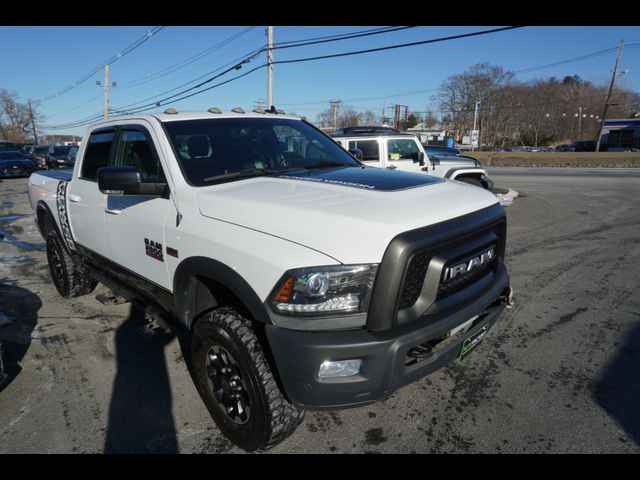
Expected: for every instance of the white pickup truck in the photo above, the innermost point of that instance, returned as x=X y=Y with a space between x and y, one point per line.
x=307 y=279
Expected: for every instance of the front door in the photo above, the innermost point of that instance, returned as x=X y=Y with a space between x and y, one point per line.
x=135 y=223
x=370 y=151
x=403 y=154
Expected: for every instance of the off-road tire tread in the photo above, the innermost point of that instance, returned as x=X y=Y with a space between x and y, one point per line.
x=79 y=278
x=284 y=416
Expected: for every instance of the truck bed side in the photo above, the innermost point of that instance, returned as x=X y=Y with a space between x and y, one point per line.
x=47 y=194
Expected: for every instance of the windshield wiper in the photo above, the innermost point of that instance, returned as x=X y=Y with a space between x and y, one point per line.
x=324 y=164
x=256 y=172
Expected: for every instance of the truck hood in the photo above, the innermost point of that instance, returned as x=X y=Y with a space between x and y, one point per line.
x=350 y=214
x=456 y=161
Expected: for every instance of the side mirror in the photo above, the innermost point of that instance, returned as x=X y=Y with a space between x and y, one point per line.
x=420 y=159
x=356 y=152
x=127 y=181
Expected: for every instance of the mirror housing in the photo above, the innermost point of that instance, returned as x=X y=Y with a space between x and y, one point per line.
x=356 y=152
x=127 y=181
x=420 y=159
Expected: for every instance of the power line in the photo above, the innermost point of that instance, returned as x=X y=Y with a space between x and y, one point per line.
x=177 y=97
x=256 y=52
x=185 y=62
x=402 y=45
x=113 y=59
x=359 y=52
x=335 y=38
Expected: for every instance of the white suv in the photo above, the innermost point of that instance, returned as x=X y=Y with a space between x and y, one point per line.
x=403 y=151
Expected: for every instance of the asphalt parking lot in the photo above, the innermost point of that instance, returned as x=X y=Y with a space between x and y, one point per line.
x=557 y=374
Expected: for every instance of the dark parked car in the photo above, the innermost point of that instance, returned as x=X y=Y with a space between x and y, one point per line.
x=440 y=151
x=14 y=164
x=8 y=146
x=585 y=146
x=57 y=157
x=40 y=156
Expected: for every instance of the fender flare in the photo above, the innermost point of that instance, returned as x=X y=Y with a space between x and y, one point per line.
x=190 y=297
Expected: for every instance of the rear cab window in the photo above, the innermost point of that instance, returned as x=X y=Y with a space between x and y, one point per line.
x=370 y=149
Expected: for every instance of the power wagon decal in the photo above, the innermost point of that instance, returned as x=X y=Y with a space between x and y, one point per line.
x=63 y=216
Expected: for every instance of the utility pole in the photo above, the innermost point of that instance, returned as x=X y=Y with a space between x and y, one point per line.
x=334 y=105
x=475 y=119
x=606 y=103
x=106 y=91
x=384 y=107
x=257 y=104
x=269 y=67
x=33 y=123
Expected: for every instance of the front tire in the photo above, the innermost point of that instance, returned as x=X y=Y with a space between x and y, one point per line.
x=236 y=383
x=70 y=278
x=472 y=181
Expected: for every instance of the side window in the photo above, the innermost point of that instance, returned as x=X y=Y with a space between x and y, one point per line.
x=96 y=155
x=402 y=149
x=370 y=149
x=134 y=150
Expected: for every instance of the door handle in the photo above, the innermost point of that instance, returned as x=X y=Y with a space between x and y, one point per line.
x=113 y=211
x=392 y=167
x=74 y=198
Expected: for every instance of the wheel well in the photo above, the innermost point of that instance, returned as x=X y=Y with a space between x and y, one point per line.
x=476 y=175
x=206 y=294
x=44 y=220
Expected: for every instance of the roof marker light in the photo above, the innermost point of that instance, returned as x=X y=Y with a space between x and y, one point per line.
x=170 y=111
x=214 y=110
x=237 y=110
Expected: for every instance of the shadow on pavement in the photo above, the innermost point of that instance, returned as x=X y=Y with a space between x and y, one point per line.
x=618 y=391
x=140 y=414
x=18 y=317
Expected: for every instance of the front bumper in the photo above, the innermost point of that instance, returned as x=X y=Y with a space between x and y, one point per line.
x=384 y=369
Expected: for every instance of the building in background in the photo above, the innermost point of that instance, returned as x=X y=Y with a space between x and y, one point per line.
x=620 y=134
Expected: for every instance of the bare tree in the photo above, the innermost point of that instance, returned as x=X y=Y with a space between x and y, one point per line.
x=15 y=118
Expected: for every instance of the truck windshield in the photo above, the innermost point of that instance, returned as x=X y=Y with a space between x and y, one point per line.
x=225 y=149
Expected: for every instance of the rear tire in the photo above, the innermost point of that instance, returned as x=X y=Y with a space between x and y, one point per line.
x=3 y=375
x=236 y=383
x=71 y=279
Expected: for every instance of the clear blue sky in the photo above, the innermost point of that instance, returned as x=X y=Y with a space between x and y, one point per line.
x=46 y=60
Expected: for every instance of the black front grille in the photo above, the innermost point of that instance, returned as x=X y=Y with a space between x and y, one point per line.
x=419 y=263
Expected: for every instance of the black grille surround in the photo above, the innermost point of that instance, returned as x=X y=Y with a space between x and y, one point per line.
x=417 y=269
x=418 y=256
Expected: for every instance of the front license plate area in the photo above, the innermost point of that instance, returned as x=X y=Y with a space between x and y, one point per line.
x=472 y=341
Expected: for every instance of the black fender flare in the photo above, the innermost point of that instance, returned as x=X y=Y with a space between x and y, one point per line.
x=48 y=216
x=190 y=298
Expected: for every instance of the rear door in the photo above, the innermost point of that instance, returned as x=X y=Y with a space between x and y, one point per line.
x=135 y=223
x=85 y=202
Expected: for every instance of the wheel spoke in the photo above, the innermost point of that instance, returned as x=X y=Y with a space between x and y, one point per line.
x=227 y=385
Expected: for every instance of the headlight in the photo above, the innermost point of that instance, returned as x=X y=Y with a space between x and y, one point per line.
x=324 y=291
